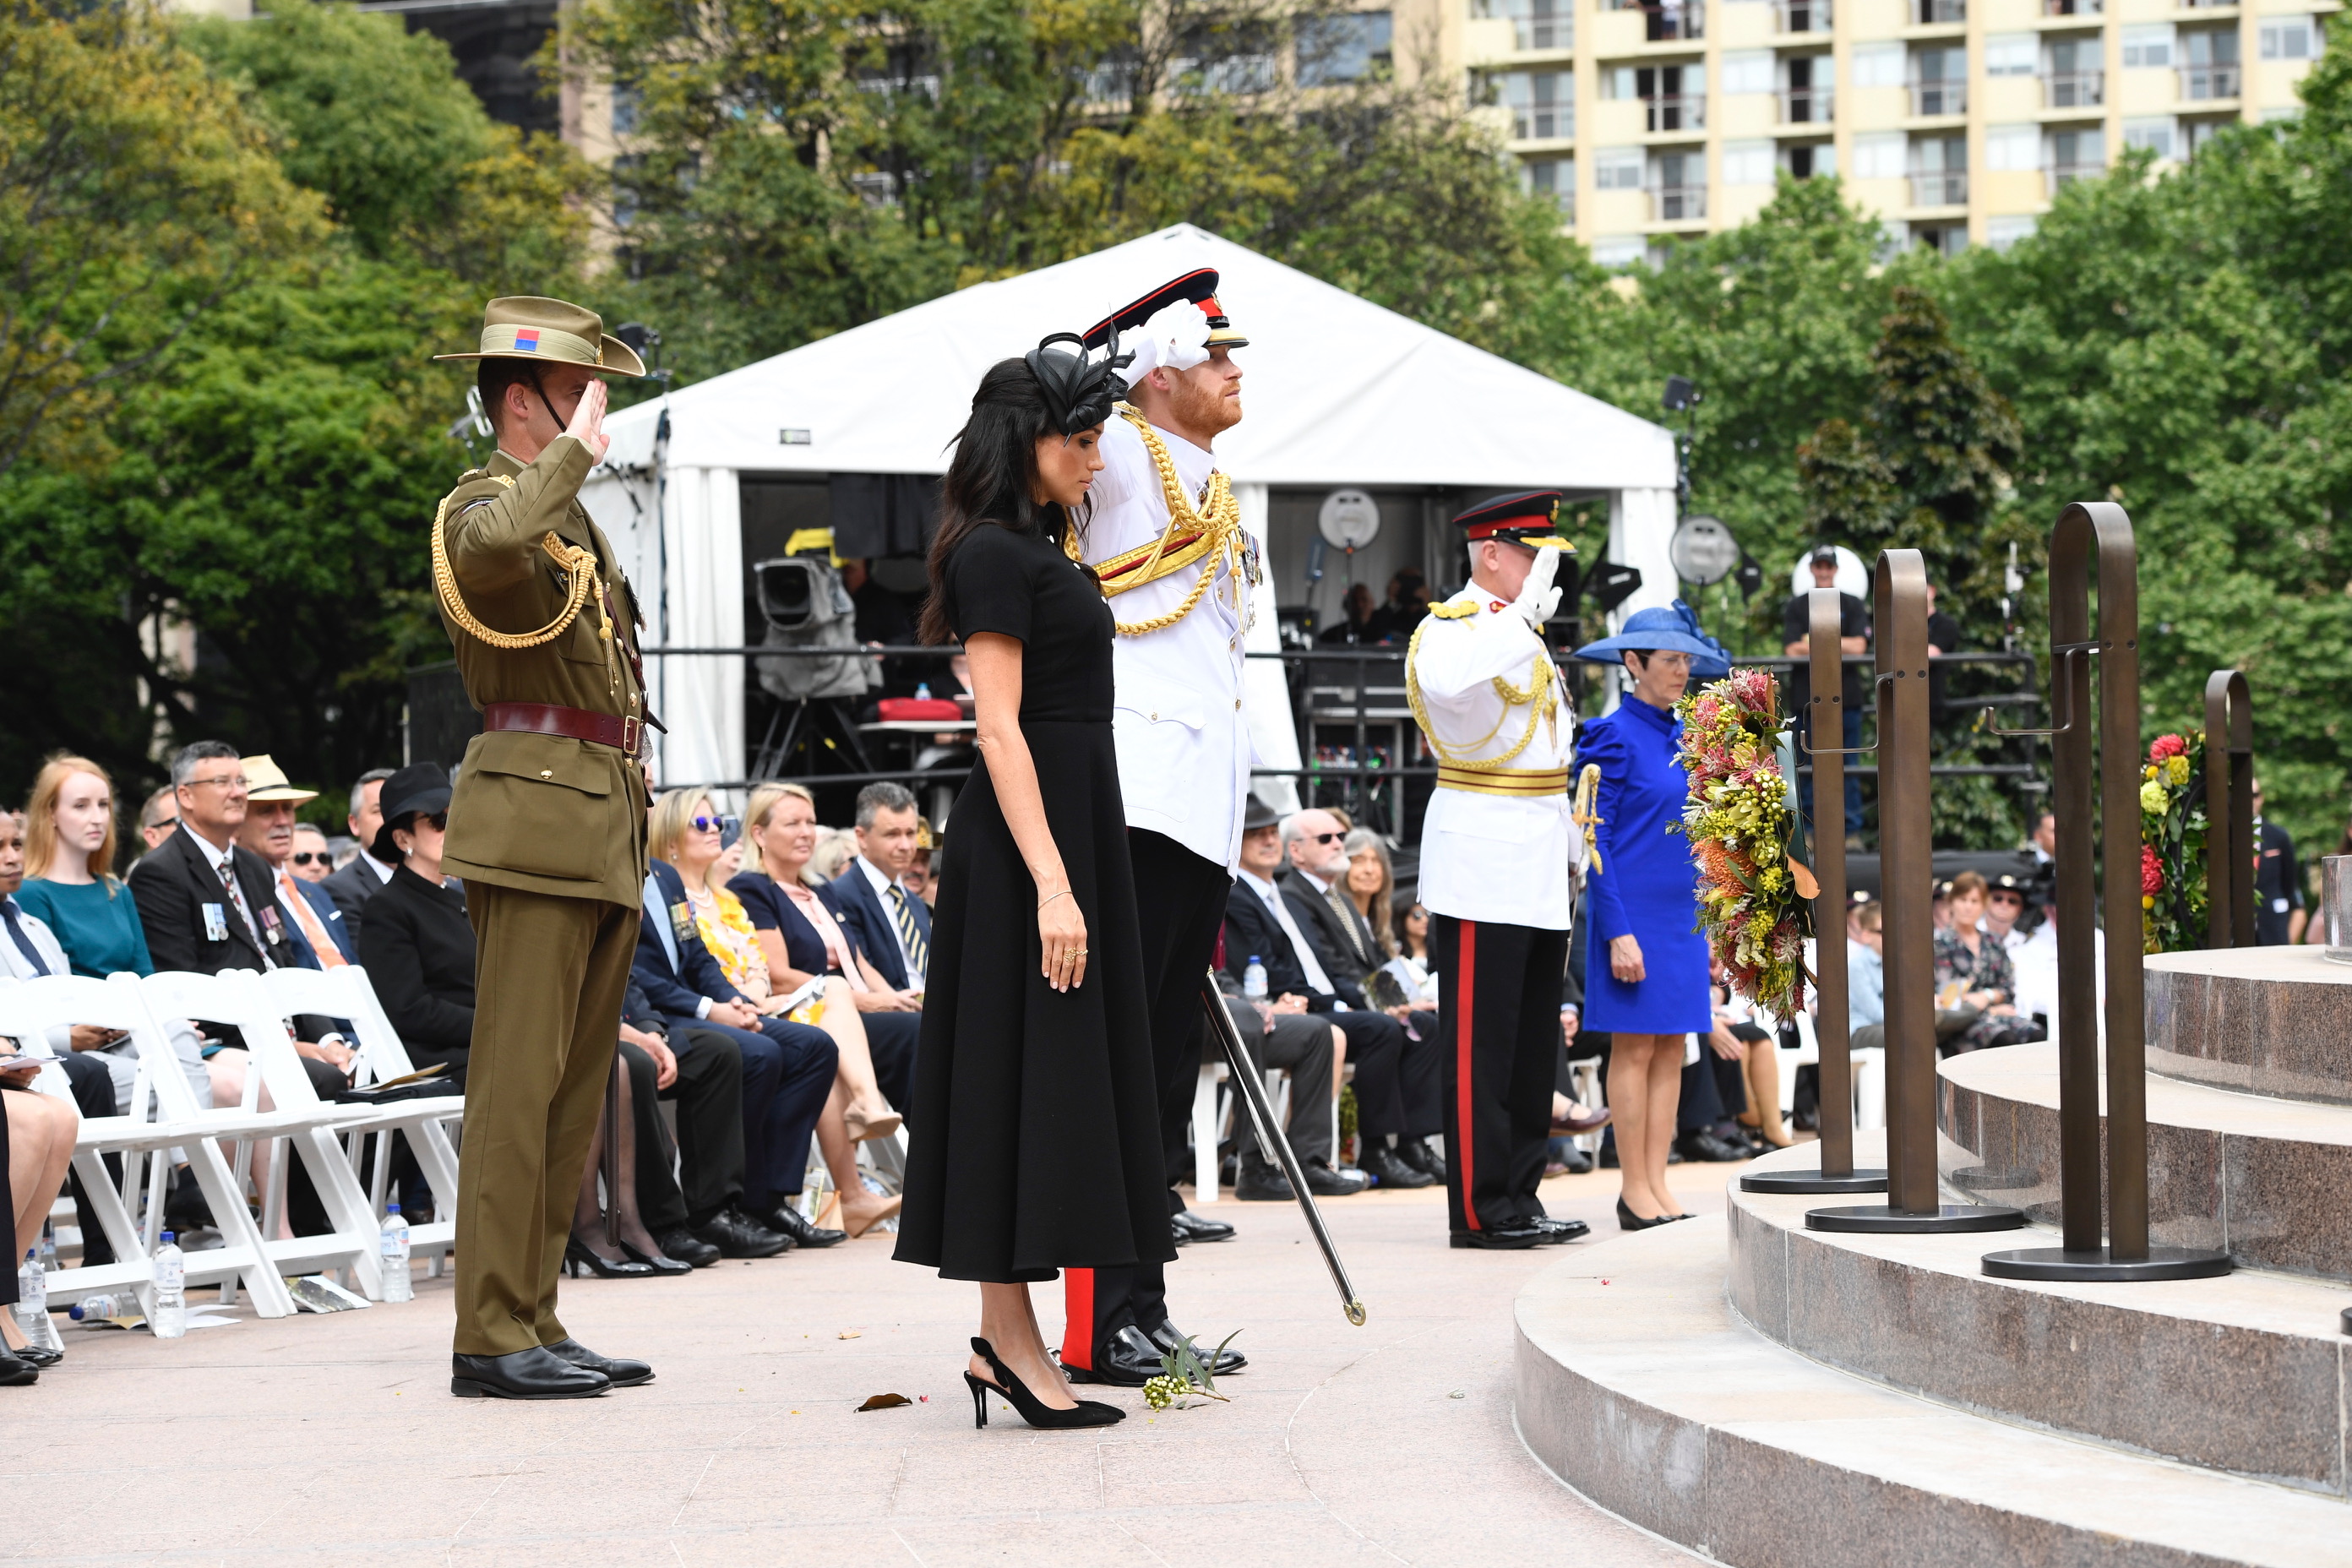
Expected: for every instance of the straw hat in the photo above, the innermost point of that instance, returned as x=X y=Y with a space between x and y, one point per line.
x=265 y=780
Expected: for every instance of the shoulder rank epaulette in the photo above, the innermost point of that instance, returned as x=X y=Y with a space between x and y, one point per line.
x=1454 y=612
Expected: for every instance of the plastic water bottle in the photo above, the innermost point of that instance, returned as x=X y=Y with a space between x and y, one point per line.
x=398 y=1285
x=49 y=1264
x=93 y=1310
x=922 y=692
x=1253 y=981
x=32 y=1303
x=170 y=1319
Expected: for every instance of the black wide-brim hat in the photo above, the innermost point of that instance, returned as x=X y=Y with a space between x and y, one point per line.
x=1529 y=517
x=1199 y=287
x=1256 y=813
x=417 y=790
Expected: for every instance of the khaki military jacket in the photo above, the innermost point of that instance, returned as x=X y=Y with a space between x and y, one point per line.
x=544 y=813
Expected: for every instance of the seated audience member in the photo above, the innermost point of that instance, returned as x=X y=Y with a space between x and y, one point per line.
x=728 y=932
x=1313 y=887
x=788 y=1067
x=1745 y=1056
x=592 y=1247
x=1259 y=923
x=698 y=1217
x=364 y=877
x=800 y=939
x=1866 y=979
x=835 y=848
x=270 y=802
x=1975 y=969
x=920 y=880
x=37 y=1143
x=1282 y=1033
x=159 y=817
x=892 y=926
x=2005 y=911
x=313 y=860
x=419 y=951
x=1412 y=965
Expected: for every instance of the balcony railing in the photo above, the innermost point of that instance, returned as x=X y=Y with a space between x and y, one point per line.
x=2074 y=90
x=2207 y=5
x=1946 y=188
x=2056 y=175
x=1543 y=121
x=1543 y=32
x=1676 y=111
x=1670 y=21
x=1939 y=96
x=1677 y=204
x=1802 y=16
x=1805 y=105
x=2200 y=82
x=2073 y=8
x=1940 y=12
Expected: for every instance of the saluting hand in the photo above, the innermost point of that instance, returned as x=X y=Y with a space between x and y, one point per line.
x=587 y=425
x=1538 y=599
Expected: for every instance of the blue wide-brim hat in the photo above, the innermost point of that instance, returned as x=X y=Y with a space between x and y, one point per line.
x=1672 y=628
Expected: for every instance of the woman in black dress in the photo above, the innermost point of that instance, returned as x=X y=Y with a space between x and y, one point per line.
x=1035 y=1138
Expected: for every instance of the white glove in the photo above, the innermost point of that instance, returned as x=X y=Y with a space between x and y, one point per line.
x=1537 y=599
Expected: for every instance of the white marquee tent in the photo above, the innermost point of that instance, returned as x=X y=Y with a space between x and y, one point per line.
x=1339 y=392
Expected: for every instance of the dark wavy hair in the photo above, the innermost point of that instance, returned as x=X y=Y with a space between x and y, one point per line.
x=992 y=477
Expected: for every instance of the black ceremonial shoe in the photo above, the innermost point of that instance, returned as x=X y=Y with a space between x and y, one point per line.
x=1190 y=1227
x=1167 y=1338
x=535 y=1373
x=16 y=1370
x=1416 y=1152
x=1699 y=1145
x=737 y=1234
x=1557 y=1231
x=1260 y=1182
x=622 y=1372
x=1499 y=1237
x=688 y=1247
x=1325 y=1183
x=40 y=1357
x=1380 y=1161
x=788 y=1222
x=1127 y=1360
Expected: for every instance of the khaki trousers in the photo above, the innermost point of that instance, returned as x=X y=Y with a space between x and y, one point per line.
x=549 y=977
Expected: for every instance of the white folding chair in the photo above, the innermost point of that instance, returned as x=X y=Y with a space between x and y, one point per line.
x=1205 y=1129
x=346 y=993
x=236 y=997
x=27 y=1011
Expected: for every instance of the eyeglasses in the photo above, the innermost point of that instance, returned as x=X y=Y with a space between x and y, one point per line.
x=713 y=824
x=227 y=781
x=312 y=858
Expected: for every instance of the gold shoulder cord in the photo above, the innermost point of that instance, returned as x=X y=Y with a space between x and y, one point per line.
x=1539 y=693
x=576 y=561
x=1585 y=811
x=1220 y=526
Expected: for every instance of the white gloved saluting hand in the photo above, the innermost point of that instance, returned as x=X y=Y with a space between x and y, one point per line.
x=1538 y=598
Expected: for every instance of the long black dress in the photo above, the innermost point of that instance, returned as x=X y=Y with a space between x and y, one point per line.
x=1035 y=1133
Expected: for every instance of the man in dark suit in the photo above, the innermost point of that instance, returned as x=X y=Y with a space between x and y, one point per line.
x=1314 y=887
x=365 y=876
x=788 y=1067
x=703 y=1208
x=1260 y=922
x=891 y=924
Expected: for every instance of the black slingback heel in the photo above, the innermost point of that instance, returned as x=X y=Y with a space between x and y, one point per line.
x=1089 y=1412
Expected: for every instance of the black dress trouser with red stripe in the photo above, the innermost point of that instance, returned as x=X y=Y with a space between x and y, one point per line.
x=1498 y=1022
x=1180 y=906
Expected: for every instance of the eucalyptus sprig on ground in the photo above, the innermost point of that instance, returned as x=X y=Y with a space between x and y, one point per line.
x=1184 y=1372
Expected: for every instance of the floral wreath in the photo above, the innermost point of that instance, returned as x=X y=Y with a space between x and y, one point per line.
x=2172 y=845
x=1753 y=894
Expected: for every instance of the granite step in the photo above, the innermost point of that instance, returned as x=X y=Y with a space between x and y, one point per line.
x=2265 y=1178
x=1639 y=1385
x=2243 y=1373
x=2260 y=1020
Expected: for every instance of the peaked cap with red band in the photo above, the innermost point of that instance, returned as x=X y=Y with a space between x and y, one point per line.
x=1530 y=518
x=1197 y=287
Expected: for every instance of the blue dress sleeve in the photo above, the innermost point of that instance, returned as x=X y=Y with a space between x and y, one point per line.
x=1602 y=742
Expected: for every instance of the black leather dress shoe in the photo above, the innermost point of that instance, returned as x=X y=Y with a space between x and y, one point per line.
x=1577 y=1161
x=1325 y=1183
x=687 y=1248
x=1379 y=1160
x=1129 y=1360
x=622 y=1372
x=788 y=1222
x=535 y=1373
x=1260 y=1182
x=40 y=1357
x=15 y=1371
x=1699 y=1145
x=1416 y=1152
x=1499 y=1237
x=1197 y=1227
x=1167 y=1337
x=1557 y=1231
x=737 y=1234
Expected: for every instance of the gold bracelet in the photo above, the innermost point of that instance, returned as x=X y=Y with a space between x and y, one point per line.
x=1051 y=896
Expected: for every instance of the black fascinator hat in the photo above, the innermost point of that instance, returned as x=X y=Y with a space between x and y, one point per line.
x=1079 y=389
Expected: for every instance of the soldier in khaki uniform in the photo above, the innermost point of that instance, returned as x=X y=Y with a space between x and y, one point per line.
x=547 y=828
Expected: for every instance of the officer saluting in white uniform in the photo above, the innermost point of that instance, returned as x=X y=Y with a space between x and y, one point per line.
x=1498 y=850
x=1163 y=534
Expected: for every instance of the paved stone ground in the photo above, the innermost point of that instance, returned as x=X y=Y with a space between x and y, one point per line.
x=335 y=1439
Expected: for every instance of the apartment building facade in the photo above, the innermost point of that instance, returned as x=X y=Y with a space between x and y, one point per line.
x=1955 y=120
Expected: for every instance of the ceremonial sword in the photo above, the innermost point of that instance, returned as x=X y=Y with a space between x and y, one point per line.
x=1251 y=1091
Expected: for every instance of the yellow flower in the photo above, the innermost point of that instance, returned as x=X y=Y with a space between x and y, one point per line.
x=2176 y=771
x=2149 y=772
x=2147 y=900
x=2152 y=798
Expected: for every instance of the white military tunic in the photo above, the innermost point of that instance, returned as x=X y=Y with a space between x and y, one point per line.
x=1493 y=858
x=1182 y=739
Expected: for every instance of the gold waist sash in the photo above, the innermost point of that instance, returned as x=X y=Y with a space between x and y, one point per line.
x=1519 y=783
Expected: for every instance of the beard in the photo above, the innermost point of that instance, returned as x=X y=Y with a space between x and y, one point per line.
x=1199 y=404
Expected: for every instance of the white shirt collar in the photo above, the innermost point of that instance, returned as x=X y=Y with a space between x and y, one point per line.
x=383 y=872
x=1264 y=885
x=875 y=877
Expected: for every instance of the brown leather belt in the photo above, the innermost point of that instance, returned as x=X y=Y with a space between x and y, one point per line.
x=622 y=734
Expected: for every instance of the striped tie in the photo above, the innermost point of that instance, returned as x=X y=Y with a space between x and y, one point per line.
x=919 y=953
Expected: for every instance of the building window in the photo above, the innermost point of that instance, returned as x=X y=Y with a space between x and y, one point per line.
x=1346 y=47
x=2148 y=48
x=1667 y=20
x=1943 y=238
x=1219 y=57
x=2074 y=155
x=1554 y=180
x=2001 y=233
x=1939 y=81
x=1678 y=190
x=2290 y=38
x=1542 y=104
x=1535 y=24
x=1676 y=95
x=1617 y=169
x=2209 y=63
x=1880 y=155
x=2074 y=80
x=2150 y=135
x=1811 y=158
x=2013 y=54
x=1803 y=101
x=1620 y=249
x=1939 y=13
x=1747 y=70
x=1877 y=65
x=1748 y=163
x=1939 y=172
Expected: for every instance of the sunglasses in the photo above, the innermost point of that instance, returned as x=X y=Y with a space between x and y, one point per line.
x=312 y=858
x=439 y=819
x=713 y=824
x=1323 y=837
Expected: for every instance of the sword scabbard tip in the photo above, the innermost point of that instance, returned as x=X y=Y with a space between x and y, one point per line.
x=1356 y=1313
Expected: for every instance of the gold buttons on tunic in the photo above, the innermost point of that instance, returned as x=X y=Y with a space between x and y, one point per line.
x=547 y=772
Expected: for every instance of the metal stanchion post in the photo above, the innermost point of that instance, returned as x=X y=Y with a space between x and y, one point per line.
x=1825 y=719
x=2229 y=811
x=2099 y=528
x=1914 y=1199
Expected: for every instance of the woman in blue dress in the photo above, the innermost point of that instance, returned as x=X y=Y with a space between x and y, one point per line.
x=1645 y=976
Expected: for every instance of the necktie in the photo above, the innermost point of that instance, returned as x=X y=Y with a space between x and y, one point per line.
x=1300 y=948
x=313 y=930
x=228 y=869
x=1348 y=918
x=23 y=938
x=918 y=949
